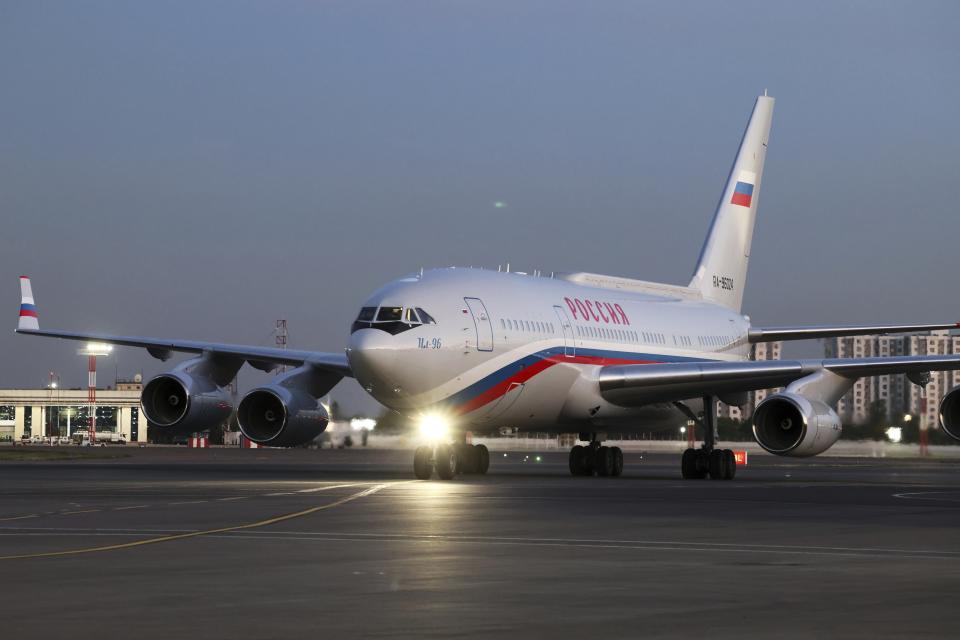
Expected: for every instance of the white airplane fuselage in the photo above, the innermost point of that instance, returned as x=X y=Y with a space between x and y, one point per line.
x=509 y=349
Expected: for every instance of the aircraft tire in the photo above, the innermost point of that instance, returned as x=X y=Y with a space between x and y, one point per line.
x=482 y=455
x=731 y=464
x=467 y=458
x=718 y=465
x=603 y=461
x=445 y=461
x=617 y=462
x=689 y=467
x=423 y=463
x=578 y=460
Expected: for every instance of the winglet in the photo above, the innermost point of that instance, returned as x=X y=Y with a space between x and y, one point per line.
x=28 y=309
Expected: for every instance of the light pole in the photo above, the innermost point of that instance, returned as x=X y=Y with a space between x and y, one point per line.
x=69 y=411
x=92 y=351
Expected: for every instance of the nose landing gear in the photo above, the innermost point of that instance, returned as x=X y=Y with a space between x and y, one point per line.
x=595 y=459
x=449 y=460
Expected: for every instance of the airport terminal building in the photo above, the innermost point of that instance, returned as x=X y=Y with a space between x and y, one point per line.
x=64 y=413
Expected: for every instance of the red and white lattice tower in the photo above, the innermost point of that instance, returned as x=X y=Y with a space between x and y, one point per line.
x=92 y=396
x=92 y=351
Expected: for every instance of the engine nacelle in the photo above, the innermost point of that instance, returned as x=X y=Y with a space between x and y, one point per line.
x=182 y=403
x=788 y=424
x=950 y=413
x=281 y=417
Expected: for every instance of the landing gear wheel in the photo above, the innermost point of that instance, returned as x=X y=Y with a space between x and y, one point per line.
x=423 y=463
x=717 y=464
x=578 y=461
x=482 y=456
x=445 y=461
x=467 y=459
x=603 y=461
x=689 y=465
x=731 y=464
x=617 y=461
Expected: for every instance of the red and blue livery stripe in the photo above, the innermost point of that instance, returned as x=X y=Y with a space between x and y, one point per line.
x=28 y=310
x=500 y=382
x=742 y=194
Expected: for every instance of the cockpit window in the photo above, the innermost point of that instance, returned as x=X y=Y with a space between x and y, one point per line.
x=393 y=320
x=389 y=314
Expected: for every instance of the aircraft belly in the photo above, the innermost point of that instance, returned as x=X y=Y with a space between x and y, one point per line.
x=564 y=399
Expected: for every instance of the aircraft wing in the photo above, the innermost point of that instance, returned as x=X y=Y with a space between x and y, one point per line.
x=639 y=384
x=263 y=358
x=771 y=334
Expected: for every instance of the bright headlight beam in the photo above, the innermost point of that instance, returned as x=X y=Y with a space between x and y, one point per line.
x=895 y=434
x=433 y=426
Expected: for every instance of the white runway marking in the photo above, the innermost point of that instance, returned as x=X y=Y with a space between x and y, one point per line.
x=335 y=486
x=174 y=504
x=927 y=495
x=136 y=506
x=639 y=545
x=582 y=543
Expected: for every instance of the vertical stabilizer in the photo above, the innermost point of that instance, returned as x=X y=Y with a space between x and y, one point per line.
x=721 y=271
x=28 y=308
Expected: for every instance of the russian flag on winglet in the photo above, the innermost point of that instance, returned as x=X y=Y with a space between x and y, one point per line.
x=743 y=191
x=28 y=307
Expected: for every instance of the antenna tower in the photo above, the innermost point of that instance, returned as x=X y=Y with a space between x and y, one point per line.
x=280 y=334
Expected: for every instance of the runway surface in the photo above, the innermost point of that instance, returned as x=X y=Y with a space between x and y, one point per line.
x=269 y=544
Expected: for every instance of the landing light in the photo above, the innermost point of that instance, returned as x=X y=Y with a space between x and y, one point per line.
x=895 y=434
x=434 y=426
x=363 y=424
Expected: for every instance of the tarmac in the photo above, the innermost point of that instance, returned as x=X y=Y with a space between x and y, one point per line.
x=231 y=543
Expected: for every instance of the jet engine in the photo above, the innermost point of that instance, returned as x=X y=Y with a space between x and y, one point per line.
x=950 y=413
x=184 y=403
x=789 y=424
x=279 y=416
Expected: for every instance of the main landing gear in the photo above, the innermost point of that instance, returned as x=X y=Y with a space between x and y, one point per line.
x=719 y=464
x=595 y=459
x=450 y=459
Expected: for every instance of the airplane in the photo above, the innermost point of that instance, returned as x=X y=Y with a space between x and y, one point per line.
x=459 y=349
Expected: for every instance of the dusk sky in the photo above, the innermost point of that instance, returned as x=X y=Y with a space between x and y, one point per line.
x=199 y=169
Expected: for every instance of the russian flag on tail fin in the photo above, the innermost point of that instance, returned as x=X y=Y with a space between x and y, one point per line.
x=743 y=190
x=28 y=308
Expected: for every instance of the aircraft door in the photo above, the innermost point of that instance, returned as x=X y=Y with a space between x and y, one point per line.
x=481 y=321
x=569 y=346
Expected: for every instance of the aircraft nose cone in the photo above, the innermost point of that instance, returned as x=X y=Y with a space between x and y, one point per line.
x=372 y=354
